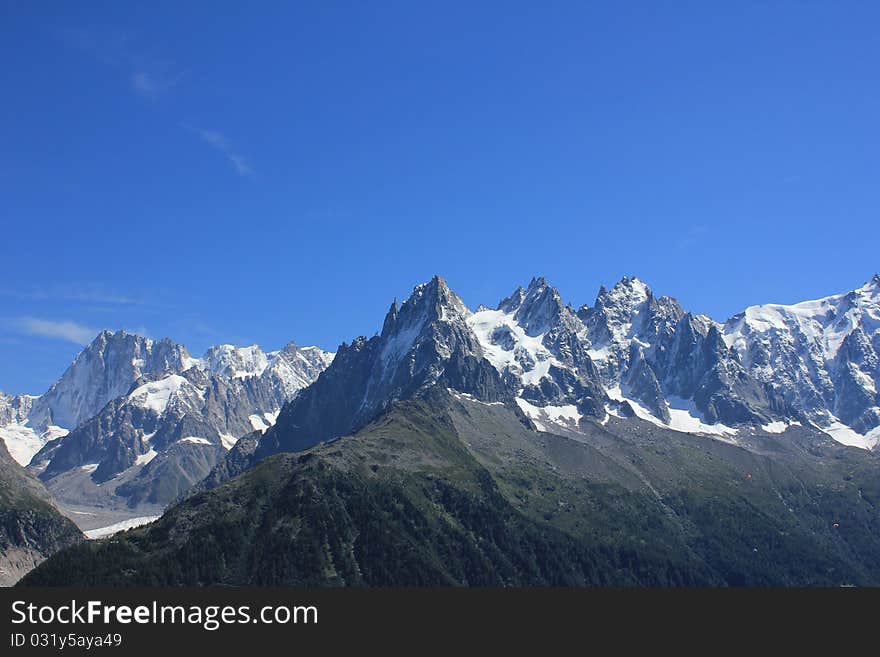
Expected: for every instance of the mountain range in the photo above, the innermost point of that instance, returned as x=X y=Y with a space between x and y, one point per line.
x=516 y=408
x=135 y=422
x=631 y=354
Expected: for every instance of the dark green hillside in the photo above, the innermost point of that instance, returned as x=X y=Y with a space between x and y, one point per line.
x=456 y=492
x=31 y=528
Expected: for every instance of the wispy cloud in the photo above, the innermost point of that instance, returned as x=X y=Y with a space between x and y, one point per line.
x=84 y=292
x=692 y=236
x=222 y=145
x=63 y=330
x=149 y=74
x=146 y=84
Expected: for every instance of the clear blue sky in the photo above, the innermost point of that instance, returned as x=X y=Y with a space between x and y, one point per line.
x=279 y=171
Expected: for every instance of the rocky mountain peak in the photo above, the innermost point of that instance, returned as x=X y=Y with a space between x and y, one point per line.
x=425 y=343
x=627 y=294
x=611 y=320
x=290 y=348
x=436 y=296
x=871 y=289
x=390 y=317
x=541 y=308
x=429 y=303
x=236 y=362
x=514 y=301
x=103 y=371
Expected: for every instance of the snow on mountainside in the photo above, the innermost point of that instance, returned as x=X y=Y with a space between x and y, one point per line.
x=236 y=362
x=108 y=367
x=22 y=440
x=643 y=356
x=507 y=346
x=539 y=346
x=174 y=418
x=628 y=315
x=635 y=354
x=632 y=355
x=822 y=356
x=104 y=370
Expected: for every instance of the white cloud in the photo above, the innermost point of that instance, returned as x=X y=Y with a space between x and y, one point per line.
x=150 y=75
x=63 y=330
x=222 y=145
x=145 y=84
x=85 y=292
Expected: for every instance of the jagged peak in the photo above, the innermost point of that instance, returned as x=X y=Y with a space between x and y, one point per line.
x=357 y=344
x=292 y=347
x=123 y=336
x=514 y=301
x=633 y=285
x=537 y=287
x=627 y=294
x=437 y=285
x=390 y=317
x=429 y=303
x=538 y=308
x=540 y=286
x=108 y=337
x=436 y=298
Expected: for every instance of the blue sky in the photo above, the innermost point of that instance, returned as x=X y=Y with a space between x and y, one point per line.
x=212 y=174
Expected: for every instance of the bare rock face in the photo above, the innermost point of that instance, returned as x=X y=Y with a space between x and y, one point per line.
x=425 y=342
x=31 y=528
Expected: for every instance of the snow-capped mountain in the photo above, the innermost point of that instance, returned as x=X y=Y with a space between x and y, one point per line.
x=290 y=368
x=822 y=357
x=630 y=354
x=152 y=420
x=627 y=316
x=670 y=362
x=425 y=342
x=538 y=345
x=23 y=440
x=104 y=370
x=771 y=366
x=108 y=367
x=144 y=419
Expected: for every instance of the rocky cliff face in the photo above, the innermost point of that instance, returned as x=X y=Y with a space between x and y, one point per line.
x=31 y=528
x=425 y=342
